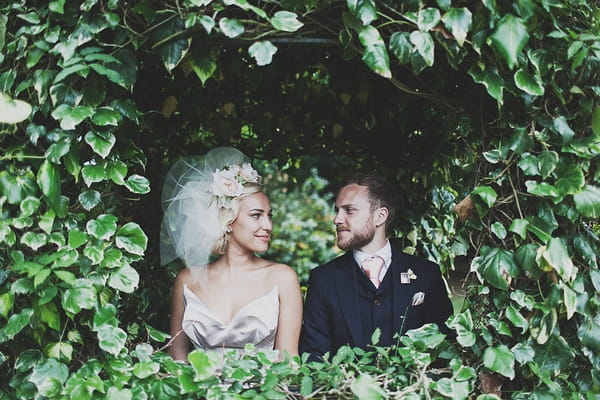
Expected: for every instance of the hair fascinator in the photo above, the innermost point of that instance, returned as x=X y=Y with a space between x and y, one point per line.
x=197 y=192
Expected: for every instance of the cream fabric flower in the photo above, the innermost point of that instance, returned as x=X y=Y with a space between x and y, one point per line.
x=225 y=182
x=249 y=174
x=418 y=298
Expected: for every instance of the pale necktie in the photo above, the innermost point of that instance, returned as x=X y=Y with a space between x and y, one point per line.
x=372 y=267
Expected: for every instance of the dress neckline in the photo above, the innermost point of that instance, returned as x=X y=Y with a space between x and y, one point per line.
x=212 y=315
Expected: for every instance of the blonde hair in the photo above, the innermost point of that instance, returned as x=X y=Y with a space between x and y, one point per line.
x=229 y=213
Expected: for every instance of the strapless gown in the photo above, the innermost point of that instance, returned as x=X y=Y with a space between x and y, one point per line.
x=254 y=323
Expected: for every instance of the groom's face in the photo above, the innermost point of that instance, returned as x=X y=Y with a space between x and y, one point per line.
x=354 y=218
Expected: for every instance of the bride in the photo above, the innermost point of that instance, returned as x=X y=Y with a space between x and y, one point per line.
x=216 y=205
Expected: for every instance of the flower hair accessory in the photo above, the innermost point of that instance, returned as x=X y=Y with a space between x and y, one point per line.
x=230 y=180
x=195 y=192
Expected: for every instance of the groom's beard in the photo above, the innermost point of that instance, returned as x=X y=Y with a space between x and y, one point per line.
x=359 y=238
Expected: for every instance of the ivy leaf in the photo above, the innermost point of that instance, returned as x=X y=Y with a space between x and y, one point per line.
x=529 y=83
x=496 y=267
x=16 y=188
x=131 y=238
x=596 y=121
x=48 y=180
x=401 y=47
x=556 y=256
x=286 y=21
x=81 y=296
x=144 y=369
x=428 y=18
x=57 y=150
x=491 y=79
x=542 y=189
x=112 y=339
x=231 y=27
x=484 y=198
x=34 y=240
x=554 y=356
x=125 y=279
x=587 y=201
x=103 y=227
x=204 y=364
x=76 y=238
x=106 y=116
x=171 y=48
x=547 y=162
x=366 y=387
x=70 y=116
x=375 y=54
x=589 y=334
x=458 y=22
x=462 y=324
x=424 y=45
x=93 y=173
x=6 y=303
x=501 y=360
x=15 y=324
x=364 y=10
x=204 y=67
x=101 y=143
x=49 y=377
x=13 y=111
x=561 y=125
x=571 y=179
x=510 y=38
x=138 y=184
x=262 y=52
x=89 y=199
x=60 y=350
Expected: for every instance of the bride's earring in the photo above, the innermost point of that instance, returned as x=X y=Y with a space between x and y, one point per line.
x=228 y=230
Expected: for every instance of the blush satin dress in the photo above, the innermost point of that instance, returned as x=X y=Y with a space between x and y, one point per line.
x=254 y=323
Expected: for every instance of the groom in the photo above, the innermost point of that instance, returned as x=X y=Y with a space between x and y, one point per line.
x=372 y=285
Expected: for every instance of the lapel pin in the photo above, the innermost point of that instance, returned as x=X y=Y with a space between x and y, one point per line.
x=405 y=277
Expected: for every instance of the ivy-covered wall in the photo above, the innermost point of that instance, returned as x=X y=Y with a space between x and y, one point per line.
x=485 y=114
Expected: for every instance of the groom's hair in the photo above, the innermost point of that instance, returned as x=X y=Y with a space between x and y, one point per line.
x=381 y=192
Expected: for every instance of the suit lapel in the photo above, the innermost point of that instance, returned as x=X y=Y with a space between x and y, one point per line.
x=347 y=291
x=400 y=292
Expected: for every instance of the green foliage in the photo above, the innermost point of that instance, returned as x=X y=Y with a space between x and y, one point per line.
x=492 y=106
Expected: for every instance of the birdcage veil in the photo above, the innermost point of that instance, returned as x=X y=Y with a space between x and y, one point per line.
x=197 y=190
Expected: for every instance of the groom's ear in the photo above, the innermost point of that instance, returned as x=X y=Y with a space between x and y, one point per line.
x=381 y=216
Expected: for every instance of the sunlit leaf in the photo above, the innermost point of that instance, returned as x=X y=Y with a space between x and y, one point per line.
x=401 y=47
x=424 y=44
x=13 y=111
x=496 y=267
x=125 y=279
x=428 y=18
x=458 y=22
x=111 y=339
x=262 y=52
x=101 y=143
x=501 y=360
x=375 y=54
x=587 y=201
x=286 y=21
x=131 y=238
x=231 y=27
x=529 y=83
x=510 y=38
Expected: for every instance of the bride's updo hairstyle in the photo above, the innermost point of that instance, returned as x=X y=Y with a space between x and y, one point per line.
x=201 y=198
x=229 y=213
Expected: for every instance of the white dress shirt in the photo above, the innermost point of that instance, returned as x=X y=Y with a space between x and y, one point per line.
x=385 y=252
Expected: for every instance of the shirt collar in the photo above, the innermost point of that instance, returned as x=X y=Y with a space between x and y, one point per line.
x=385 y=252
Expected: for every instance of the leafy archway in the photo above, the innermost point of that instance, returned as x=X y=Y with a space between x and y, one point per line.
x=491 y=107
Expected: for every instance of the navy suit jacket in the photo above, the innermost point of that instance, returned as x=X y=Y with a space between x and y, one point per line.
x=332 y=313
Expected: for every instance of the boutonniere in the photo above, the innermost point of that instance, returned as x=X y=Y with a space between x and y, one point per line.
x=405 y=277
x=418 y=298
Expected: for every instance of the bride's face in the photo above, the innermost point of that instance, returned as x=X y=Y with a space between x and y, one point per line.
x=252 y=228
